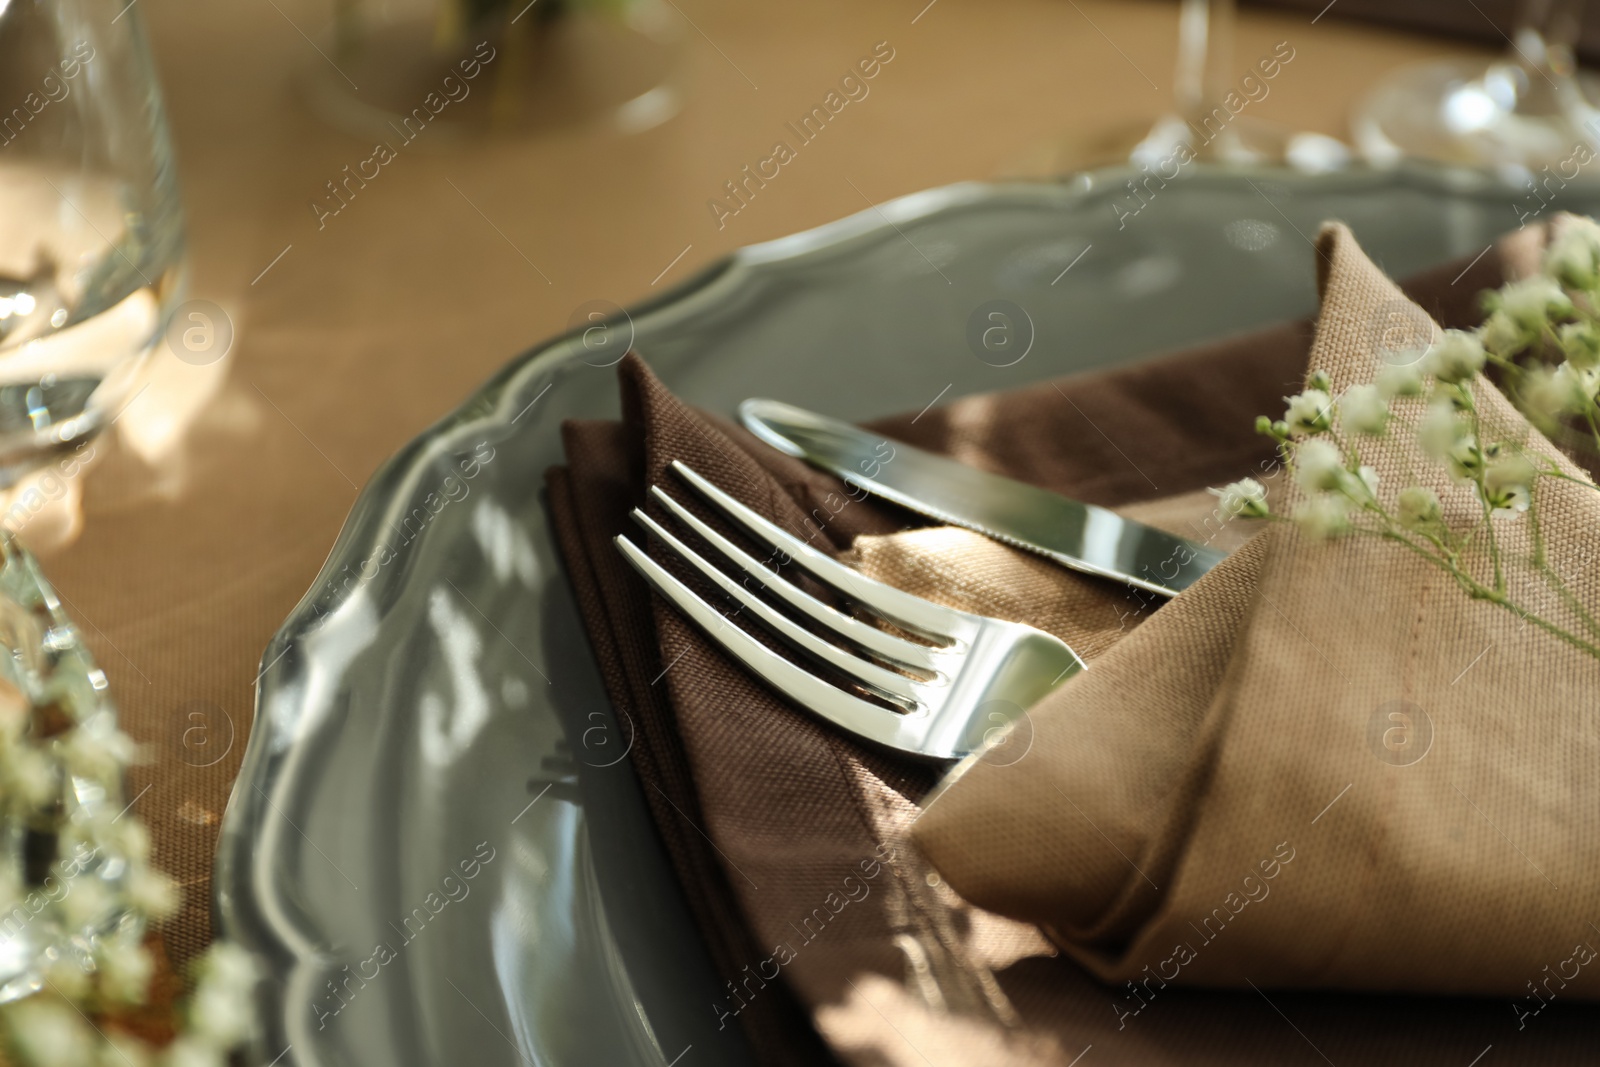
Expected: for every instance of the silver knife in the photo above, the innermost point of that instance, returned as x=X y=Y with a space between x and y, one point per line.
x=1081 y=536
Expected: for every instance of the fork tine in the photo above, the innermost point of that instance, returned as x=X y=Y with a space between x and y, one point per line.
x=921 y=617
x=816 y=695
x=885 y=682
x=896 y=650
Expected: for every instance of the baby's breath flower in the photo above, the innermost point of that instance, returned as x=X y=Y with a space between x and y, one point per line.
x=1566 y=390
x=50 y=1032
x=97 y=749
x=1325 y=516
x=221 y=1009
x=1418 y=506
x=1440 y=429
x=1573 y=258
x=1363 y=410
x=1533 y=302
x=1504 y=336
x=1458 y=357
x=1465 y=458
x=1399 y=381
x=1246 y=497
x=229 y=966
x=1508 y=483
x=191 y=1052
x=125 y=970
x=1585 y=382
x=131 y=839
x=1320 y=380
x=29 y=775
x=153 y=893
x=66 y=977
x=1362 y=487
x=1318 y=465
x=1310 y=412
x=88 y=901
x=123 y=1050
x=1580 y=342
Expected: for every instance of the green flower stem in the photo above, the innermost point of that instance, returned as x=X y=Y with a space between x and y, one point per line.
x=1477 y=591
x=1542 y=563
x=1483 y=490
x=1554 y=472
x=1594 y=429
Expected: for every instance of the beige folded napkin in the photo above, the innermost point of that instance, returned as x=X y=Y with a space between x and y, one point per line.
x=1321 y=767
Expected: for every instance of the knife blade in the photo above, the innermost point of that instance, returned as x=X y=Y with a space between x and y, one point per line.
x=1083 y=537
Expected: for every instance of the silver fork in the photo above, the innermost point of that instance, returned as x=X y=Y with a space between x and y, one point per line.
x=937 y=700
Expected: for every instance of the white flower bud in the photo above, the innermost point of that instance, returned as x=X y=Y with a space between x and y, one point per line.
x=1324 y=517
x=123 y=1050
x=1504 y=336
x=30 y=775
x=1580 y=342
x=191 y=1052
x=1458 y=357
x=98 y=750
x=1419 y=507
x=1318 y=465
x=1465 y=458
x=1508 y=483
x=49 y=1032
x=88 y=901
x=66 y=977
x=230 y=966
x=1533 y=302
x=1310 y=412
x=129 y=837
x=1399 y=381
x=221 y=1015
x=1566 y=390
x=125 y=970
x=1363 y=486
x=1573 y=258
x=1363 y=410
x=1246 y=497
x=153 y=893
x=1440 y=429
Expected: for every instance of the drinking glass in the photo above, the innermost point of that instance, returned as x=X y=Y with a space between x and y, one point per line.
x=1525 y=110
x=392 y=69
x=91 y=232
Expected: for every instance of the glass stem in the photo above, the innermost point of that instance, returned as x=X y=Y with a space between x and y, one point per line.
x=1204 y=72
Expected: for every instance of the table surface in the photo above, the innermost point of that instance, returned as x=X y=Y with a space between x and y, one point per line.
x=212 y=503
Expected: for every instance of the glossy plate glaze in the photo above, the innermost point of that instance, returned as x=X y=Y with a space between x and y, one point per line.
x=436 y=846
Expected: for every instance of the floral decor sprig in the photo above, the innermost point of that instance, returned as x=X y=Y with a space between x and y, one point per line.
x=74 y=965
x=1543 y=335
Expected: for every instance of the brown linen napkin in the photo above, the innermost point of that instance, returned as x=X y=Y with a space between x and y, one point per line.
x=790 y=839
x=1231 y=752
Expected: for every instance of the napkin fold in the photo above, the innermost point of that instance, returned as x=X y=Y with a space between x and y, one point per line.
x=834 y=934
x=1324 y=766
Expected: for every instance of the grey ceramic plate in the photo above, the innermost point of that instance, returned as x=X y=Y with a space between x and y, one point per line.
x=436 y=846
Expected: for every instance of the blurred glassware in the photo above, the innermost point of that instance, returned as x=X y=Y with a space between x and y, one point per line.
x=1203 y=81
x=392 y=68
x=91 y=230
x=1529 y=109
